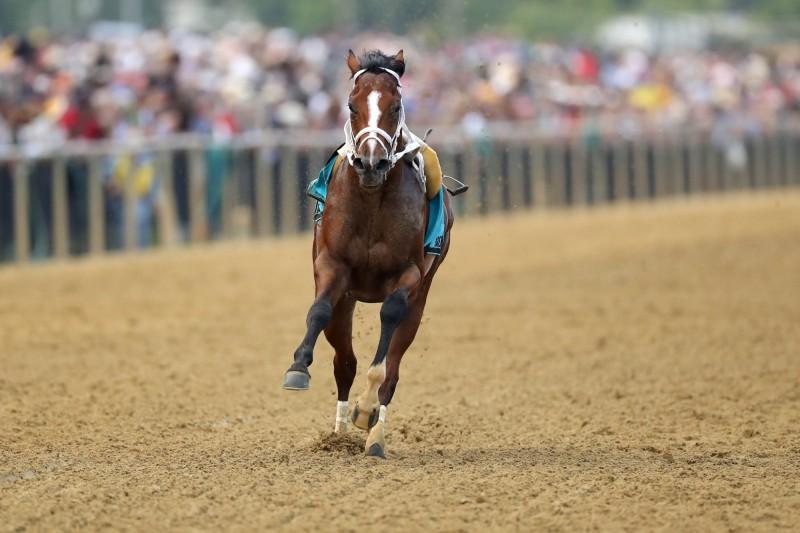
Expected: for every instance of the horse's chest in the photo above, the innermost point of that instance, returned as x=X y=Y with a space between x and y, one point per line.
x=376 y=252
x=392 y=231
x=376 y=237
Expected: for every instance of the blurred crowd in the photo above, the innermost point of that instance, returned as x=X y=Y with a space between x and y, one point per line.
x=152 y=85
x=156 y=84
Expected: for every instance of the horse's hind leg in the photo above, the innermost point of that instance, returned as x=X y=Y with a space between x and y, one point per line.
x=330 y=285
x=340 y=335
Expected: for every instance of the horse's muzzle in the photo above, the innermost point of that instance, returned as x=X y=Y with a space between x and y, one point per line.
x=371 y=172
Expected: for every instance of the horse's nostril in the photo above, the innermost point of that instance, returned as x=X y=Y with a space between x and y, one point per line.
x=358 y=163
x=382 y=166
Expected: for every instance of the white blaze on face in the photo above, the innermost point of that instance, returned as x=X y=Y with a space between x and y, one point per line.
x=374 y=110
x=373 y=119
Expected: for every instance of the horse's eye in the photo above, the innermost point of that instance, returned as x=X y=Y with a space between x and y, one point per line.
x=352 y=108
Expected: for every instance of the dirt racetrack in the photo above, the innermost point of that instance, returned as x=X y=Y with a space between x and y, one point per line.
x=630 y=368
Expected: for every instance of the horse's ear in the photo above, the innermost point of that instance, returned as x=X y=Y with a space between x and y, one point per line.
x=352 y=63
x=399 y=63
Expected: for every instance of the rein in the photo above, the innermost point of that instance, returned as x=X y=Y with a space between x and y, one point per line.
x=353 y=141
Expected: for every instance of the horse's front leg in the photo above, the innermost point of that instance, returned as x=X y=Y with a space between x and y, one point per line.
x=367 y=411
x=331 y=283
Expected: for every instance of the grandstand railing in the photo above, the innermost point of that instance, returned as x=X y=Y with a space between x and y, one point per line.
x=72 y=200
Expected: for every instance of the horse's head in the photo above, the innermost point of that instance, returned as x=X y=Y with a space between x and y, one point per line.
x=376 y=115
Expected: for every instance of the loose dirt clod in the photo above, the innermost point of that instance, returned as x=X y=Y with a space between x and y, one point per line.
x=346 y=443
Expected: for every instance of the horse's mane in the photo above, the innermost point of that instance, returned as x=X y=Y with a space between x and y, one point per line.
x=374 y=60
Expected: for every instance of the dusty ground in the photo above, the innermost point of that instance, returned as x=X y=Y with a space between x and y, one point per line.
x=621 y=369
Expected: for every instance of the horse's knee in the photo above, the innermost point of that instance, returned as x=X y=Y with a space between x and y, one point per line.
x=395 y=307
x=320 y=314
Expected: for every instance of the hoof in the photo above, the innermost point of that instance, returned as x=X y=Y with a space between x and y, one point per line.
x=364 y=420
x=376 y=450
x=296 y=380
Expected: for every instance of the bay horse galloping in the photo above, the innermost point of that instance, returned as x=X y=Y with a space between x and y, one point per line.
x=370 y=245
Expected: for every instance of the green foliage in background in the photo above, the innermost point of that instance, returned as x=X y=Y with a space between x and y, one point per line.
x=445 y=18
x=530 y=18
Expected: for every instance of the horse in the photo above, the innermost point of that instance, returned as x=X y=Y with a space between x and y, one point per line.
x=369 y=247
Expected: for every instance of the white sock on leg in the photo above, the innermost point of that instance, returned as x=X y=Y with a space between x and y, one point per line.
x=341 y=416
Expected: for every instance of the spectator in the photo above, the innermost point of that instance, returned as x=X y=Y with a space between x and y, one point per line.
x=159 y=84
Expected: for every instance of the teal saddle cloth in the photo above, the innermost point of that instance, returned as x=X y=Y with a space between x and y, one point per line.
x=434 y=232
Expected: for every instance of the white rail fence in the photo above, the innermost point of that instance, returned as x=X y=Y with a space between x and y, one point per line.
x=98 y=198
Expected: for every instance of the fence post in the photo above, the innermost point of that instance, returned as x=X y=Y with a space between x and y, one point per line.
x=167 y=219
x=610 y=153
x=750 y=167
x=539 y=176
x=131 y=230
x=526 y=176
x=761 y=178
x=504 y=178
x=662 y=168
x=783 y=155
x=622 y=172
x=459 y=169
x=233 y=178
x=791 y=147
x=740 y=172
x=679 y=166
x=489 y=176
x=548 y=174
x=775 y=159
x=483 y=194
x=197 y=195
x=721 y=164
x=695 y=183
x=60 y=209
x=21 y=217
x=641 y=175
x=727 y=179
x=97 y=223
x=304 y=207
x=580 y=177
x=599 y=181
x=556 y=182
x=568 y=170
x=276 y=179
x=265 y=197
x=289 y=207
x=712 y=167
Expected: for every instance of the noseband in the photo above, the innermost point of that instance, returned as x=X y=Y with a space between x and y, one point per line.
x=353 y=142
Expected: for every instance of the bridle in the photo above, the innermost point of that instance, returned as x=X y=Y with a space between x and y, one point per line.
x=353 y=142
